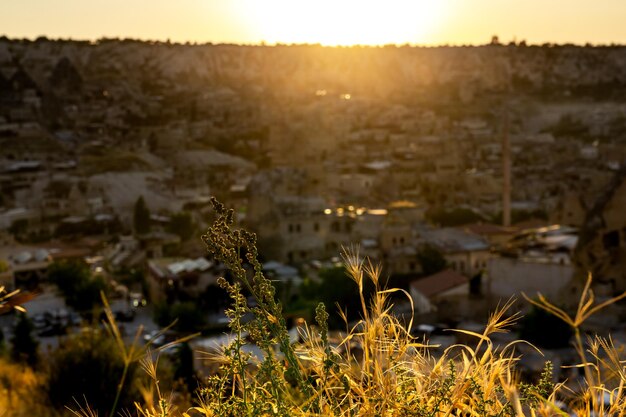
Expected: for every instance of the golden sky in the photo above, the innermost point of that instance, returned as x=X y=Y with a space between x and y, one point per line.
x=330 y=22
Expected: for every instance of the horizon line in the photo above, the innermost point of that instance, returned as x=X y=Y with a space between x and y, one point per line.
x=96 y=41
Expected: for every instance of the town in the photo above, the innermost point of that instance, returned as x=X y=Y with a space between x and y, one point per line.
x=470 y=174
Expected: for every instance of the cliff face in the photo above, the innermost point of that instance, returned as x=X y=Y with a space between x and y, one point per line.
x=365 y=70
x=601 y=247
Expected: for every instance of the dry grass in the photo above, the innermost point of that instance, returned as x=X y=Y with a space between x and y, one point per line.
x=376 y=368
x=19 y=391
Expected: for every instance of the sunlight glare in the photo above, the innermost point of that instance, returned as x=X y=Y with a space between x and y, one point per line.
x=346 y=22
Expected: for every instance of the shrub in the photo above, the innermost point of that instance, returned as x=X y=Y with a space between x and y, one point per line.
x=188 y=316
x=21 y=391
x=141 y=217
x=89 y=366
x=335 y=288
x=79 y=287
x=181 y=224
x=23 y=344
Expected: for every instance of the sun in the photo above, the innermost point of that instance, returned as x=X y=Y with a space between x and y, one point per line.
x=345 y=22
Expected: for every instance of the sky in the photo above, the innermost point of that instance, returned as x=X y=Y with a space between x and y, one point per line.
x=330 y=22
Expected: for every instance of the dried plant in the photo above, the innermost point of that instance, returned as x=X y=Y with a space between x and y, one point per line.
x=375 y=367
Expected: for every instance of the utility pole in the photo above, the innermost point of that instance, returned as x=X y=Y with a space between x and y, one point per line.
x=506 y=172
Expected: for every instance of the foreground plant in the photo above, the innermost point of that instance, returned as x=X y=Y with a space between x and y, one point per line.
x=605 y=374
x=375 y=367
x=11 y=301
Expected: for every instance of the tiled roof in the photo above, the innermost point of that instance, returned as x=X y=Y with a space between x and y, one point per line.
x=439 y=282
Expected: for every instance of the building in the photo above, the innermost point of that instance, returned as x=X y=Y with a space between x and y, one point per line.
x=512 y=277
x=438 y=290
x=465 y=252
x=171 y=278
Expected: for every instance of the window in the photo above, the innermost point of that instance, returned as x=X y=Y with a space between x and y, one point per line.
x=402 y=241
x=316 y=227
x=290 y=228
x=611 y=239
x=298 y=228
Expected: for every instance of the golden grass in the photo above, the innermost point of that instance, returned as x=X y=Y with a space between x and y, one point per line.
x=376 y=368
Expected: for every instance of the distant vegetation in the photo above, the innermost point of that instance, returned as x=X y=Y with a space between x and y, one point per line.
x=80 y=288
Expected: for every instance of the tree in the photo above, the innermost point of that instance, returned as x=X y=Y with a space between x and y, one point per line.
x=181 y=224
x=189 y=318
x=141 y=217
x=79 y=287
x=431 y=260
x=89 y=366
x=24 y=346
x=184 y=369
x=334 y=289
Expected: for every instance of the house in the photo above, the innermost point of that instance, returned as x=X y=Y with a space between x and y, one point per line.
x=403 y=260
x=369 y=222
x=395 y=233
x=493 y=233
x=465 y=252
x=23 y=267
x=9 y=217
x=438 y=289
x=169 y=278
x=125 y=254
x=295 y=228
x=156 y=244
x=507 y=277
x=355 y=184
x=570 y=209
x=407 y=210
x=282 y=273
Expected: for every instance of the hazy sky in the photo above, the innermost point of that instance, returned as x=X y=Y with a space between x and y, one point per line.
x=324 y=21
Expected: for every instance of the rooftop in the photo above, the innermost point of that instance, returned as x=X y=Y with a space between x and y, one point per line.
x=439 y=282
x=450 y=239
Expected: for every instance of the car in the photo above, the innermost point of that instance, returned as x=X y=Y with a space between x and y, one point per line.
x=40 y=321
x=52 y=330
x=426 y=329
x=74 y=319
x=124 y=315
x=137 y=299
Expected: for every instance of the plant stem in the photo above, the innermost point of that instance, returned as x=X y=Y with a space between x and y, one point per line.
x=119 y=388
